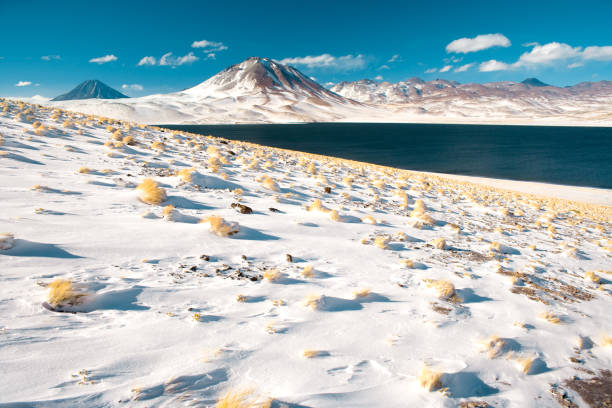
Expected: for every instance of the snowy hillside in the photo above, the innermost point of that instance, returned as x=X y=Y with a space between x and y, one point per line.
x=261 y=90
x=142 y=267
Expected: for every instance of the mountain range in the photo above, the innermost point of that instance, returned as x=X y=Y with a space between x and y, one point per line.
x=261 y=90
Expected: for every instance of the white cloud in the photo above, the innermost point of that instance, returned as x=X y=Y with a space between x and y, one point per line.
x=598 y=53
x=346 y=62
x=384 y=67
x=132 y=87
x=493 y=65
x=104 y=59
x=23 y=83
x=394 y=58
x=464 y=68
x=329 y=84
x=379 y=78
x=169 y=60
x=548 y=53
x=431 y=70
x=50 y=57
x=478 y=43
x=147 y=61
x=209 y=46
x=575 y=65
x=211 y=55
x=446 y=68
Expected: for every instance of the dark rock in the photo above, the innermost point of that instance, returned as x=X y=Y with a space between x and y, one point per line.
x=289 y=258
x=205 y=258
x=273 y=209
x=327 y=190
x=242 y=209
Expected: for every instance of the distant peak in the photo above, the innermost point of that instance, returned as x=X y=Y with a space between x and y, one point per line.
x=534 y=82
x=91 y=89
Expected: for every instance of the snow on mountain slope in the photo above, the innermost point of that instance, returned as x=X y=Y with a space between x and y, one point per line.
x=261 y=90
x=398 y=285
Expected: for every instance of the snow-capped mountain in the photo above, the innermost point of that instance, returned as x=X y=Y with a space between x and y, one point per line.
x=261 y=90
x=490 y=102
x=91 y=89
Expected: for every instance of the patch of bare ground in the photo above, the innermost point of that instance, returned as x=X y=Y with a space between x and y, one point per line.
x=595 y=391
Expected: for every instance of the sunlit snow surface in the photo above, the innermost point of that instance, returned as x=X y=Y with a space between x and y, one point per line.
x=174 y=315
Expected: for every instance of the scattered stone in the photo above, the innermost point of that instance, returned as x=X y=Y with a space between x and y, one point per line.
x=242 y=209
x=205 y=258
x=244 y=257
x=327 y=190
x=289 y=258
x=273 y=209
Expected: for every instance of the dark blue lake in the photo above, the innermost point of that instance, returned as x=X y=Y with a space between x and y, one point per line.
x=580 y=156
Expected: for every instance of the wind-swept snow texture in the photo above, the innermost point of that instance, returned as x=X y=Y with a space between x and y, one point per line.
x=111 y=299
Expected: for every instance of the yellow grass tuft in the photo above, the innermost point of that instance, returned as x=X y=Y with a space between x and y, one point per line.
x=240 y=298
x=382 y=241
x=313 y=301
x=272 y=275
x=590 y=275
x=307 y=272
x=407 y=263
x=150 y=192
x=62 y=292
x=311 y=353
x=606 y=341
x=348 y=181
x=219 y=227
x=129 y=140
x=439 y=243
x=429 y=379
x=158 y=146
x=7 y=241
x=369 y=220
x=185 y=174
x=333 y=214
x=270 y=184
x=241 y=399
x=495 y=346
x=167 y=212
x=361 y=293
x=318 y=206
x=445 y=289
x=84 y=170
x=525 y=363
x=550 y=317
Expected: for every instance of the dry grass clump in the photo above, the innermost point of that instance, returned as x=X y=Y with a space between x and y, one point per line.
x=368 y=219
x=590 y=275
x=495 y=346
x=348 y=181
x=219 y=227
x=158 y=146
x=150 y=192
x=168 y=212
x=185 y=174
x=62 y=293
x=439 y=243
x=241 y=399
x=7 y=241
x=407 y=263
x=318 y=206
x=128 y=140
x=313 y=301
x=382 y=241
x=445 y=289
x=308 y=272
x=311 y=353
x=361 y=293
x=550 y=317
x=606 y=341
x=334 y=216
x=525 y=363
x=270 y=184
x=429 y=379
x=84 y=170
x=272 y=275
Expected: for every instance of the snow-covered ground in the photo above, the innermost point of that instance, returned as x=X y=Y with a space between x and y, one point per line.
x=403 y=288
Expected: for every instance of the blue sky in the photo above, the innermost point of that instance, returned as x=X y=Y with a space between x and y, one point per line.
x=49 y=47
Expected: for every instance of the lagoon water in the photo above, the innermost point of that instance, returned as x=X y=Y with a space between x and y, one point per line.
x=580 y=156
